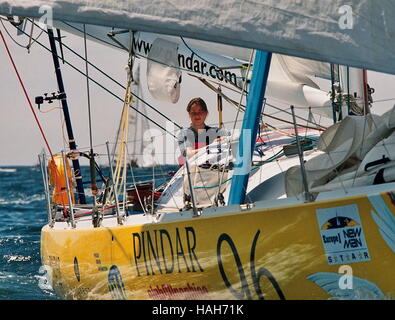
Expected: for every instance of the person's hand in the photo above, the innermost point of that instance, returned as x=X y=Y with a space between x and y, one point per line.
x=220 y=139
x=191 y=152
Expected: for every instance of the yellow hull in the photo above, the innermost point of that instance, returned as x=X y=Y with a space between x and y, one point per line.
x=304 y=251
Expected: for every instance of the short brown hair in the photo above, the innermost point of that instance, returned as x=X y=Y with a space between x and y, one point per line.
x=198 y=101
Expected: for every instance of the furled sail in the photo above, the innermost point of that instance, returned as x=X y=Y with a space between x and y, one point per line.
x=356 y=151
x=133 y=128
x=356 y=33
x=163 y=80
x=139 y=132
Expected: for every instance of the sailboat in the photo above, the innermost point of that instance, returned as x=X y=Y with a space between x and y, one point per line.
x=279 y=213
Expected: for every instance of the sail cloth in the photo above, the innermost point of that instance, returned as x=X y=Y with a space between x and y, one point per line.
x=291 y=79
x=206 y=54
x=311 y=29
x=347 y=147
x=163 y=80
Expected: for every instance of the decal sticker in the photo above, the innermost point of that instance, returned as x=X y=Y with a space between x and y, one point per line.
x=342 y=235
x=168 y=292
x=361 y=289
x=384 y=219
x=115 y=284
x=77 y=269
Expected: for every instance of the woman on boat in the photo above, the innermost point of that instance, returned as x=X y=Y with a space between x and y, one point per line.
x=198 y=135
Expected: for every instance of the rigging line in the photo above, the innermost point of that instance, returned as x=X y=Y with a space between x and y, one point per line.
x=275 y=129
x=243 y=90
x=87 y=89
x=232 y=102
x=299 y=125
x=333 y=164
x=314 y=120
x=26 y=95
x=49 y=110
x=145 y=57
x=112 y=79
x=272 y=149
x=57 y=174
x=120 y=144
x=124 y=114
x=203 y=182
x=185 y=69
x=92 y=36
x=363 y=139
x=384 y=100
x=348 y=90
x=30 y=39
x=360 y=150
x=63 y=123
x=235 y=121
x=205 y=60
x=153 y=188
x=307 y=122
x=161 y=175
x=119 y=129
x=276 y=156
x=28 y=46
x=189 y=71
x=110 y=92
x=299 y=117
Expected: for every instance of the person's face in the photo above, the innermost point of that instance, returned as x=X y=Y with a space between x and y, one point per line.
x=197 y=115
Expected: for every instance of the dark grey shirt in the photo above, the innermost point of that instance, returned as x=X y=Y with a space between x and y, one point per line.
x=189 y=137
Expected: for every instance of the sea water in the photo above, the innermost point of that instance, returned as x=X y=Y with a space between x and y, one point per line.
x=22 y=215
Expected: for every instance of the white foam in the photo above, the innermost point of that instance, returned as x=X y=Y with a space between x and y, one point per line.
x=16 y=258
x=25 y=200
x=7 y=170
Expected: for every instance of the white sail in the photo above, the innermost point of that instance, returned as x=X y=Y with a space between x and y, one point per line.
x=283 y=68
x=353 y=83
x=139 y=126
x=357 y=33
x=291 y=79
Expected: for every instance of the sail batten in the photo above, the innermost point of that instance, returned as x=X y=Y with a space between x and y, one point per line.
x=306 y=28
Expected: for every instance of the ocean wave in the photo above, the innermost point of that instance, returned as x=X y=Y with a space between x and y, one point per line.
x=8 y=170
x=12 y=239
x=7 y=275
x=16 y=258
x=23 y=200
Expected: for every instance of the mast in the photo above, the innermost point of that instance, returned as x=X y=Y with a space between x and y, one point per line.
x=65 y=108
x=250 y=127
x=219 y=103
x=333 y=92
x=366 y=109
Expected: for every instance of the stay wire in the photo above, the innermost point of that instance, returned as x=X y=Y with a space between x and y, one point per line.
x=235 y=122
x=109 y=77
x=111 y=93
x=26 y=94
x=57 y=174
x=87 y=89
x=193 y=52
x=31 y=41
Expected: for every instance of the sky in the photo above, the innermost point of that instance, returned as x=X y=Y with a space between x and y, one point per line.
x=20 y=138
